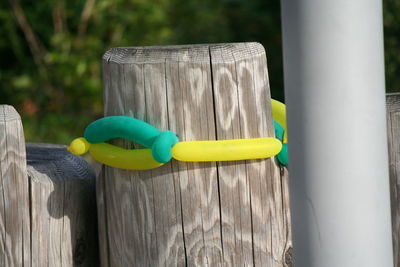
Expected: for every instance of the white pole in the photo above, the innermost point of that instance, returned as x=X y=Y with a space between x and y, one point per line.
x=338 y=159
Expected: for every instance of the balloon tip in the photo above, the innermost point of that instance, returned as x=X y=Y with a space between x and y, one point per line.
x=79 y=146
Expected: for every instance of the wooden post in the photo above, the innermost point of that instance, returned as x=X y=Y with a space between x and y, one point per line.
x=62 y=207
x=393 y=121
x=47 y=202
x=14 y=198
x=194 y=214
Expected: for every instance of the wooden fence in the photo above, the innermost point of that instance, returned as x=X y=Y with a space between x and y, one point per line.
x=181 y=214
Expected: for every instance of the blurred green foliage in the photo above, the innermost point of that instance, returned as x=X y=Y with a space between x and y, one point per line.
x=51 y=50
x=391 y=24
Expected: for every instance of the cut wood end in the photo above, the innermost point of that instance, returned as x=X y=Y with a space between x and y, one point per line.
x=8 y=113
x=226 y=52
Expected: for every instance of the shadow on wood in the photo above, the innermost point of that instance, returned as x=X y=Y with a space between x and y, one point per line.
x=66 y=186
x=47 y=207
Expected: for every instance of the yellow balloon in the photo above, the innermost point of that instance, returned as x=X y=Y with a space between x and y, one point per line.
x=219 y=150
x=79 y=146
x=129 y=159
x=227 y=150
x=279 y=114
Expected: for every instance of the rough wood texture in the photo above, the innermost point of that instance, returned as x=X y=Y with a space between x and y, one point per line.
x=14 y=198
x=393 y=119
x=47 y=207
x=63 y=207
x=195 y=214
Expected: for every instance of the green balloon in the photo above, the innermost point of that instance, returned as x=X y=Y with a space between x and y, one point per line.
x=283 y=154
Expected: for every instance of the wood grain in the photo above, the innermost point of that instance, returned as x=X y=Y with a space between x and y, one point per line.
x=62 y=207
x=393 y=121
x=14 y=198
x=47 y=202
x=193 y=214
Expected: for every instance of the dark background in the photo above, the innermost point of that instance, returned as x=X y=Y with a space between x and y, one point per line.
x=50 y=66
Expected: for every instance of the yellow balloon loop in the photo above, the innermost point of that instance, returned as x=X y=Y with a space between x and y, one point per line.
x=279 y=114
x=227 y=150
x=129 y=159
x=147 y=135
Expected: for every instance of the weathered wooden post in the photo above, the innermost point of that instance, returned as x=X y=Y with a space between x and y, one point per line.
x=62 y=207
x=14 y=198
x=47 y=202
x=393 y=119
x=194 y=214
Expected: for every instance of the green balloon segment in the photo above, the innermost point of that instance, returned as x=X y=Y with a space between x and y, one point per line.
x=161 y=148
x=283 y=154
x=147 y=135
x=137 y=131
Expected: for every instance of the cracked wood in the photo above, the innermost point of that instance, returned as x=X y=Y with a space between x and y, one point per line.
x=193 y=214
x=47 y=202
